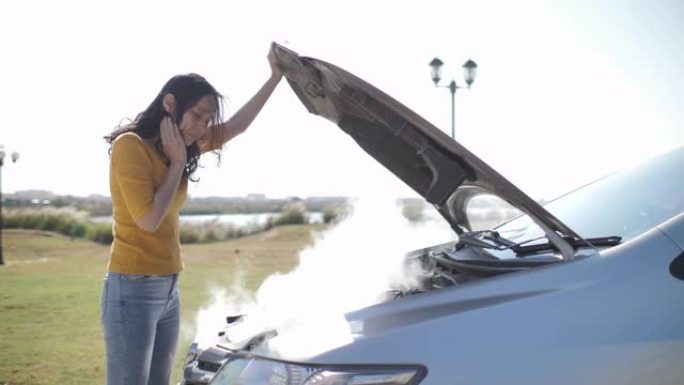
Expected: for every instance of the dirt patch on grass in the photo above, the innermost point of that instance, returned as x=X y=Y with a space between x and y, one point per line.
x=272 y=233
x=27 y=261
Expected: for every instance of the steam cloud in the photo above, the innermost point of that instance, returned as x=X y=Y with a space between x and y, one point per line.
x=350 y=266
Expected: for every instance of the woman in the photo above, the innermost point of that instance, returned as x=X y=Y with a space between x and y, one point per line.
x=152 y=160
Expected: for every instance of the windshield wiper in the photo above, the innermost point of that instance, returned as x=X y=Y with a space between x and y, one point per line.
x=498 y=242
x=480 y=238
x=573 y=242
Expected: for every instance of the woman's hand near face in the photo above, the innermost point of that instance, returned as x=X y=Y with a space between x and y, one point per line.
x=172 y=142
x=174 y=149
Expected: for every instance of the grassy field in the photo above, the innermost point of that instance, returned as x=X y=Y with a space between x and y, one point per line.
x=50 y=291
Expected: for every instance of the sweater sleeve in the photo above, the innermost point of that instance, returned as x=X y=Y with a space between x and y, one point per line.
x=132 y=168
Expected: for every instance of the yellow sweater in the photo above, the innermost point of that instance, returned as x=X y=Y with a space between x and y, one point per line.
x=136 y=171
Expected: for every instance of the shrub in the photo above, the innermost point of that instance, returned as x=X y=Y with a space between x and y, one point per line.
x=47 y=218
x=78 y=230
x=99 y=232
x=30 y=221
x=189 y=234
x=335 y=213
x=49 y=222
x=12 y=222
x=294 y=214
x=210 y=236
x=77 y=224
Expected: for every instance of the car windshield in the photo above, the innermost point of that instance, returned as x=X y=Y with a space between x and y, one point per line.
x=624 y=204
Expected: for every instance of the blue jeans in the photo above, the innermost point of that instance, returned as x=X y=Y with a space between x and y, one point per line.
x=140 y=319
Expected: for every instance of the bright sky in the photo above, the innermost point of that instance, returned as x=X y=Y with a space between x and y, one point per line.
x=566 y=90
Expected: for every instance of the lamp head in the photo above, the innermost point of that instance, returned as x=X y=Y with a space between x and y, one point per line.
x=469 y=72
x=436 y=71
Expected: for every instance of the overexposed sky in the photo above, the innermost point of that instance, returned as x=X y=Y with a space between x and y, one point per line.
x=566 y=90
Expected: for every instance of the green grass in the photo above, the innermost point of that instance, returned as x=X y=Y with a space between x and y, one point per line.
x=50 y=291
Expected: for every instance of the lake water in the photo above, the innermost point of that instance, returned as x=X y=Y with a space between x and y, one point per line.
x=237 y=220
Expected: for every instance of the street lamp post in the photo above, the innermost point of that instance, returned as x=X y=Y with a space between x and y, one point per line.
x=15 y=156
x=469 y=72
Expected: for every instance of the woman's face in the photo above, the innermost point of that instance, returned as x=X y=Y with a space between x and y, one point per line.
x=196 y=119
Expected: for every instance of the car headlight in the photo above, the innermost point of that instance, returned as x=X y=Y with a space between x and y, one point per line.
x=193 y=353
x=259 y=371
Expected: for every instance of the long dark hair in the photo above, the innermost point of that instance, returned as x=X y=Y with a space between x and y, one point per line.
x=187 y=89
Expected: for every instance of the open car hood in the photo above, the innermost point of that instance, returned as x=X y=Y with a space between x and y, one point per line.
x=434 y=165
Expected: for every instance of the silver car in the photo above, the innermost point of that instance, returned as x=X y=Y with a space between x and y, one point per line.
x=587 y=289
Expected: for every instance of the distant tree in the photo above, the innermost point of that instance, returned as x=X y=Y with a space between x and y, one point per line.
x=413 y=211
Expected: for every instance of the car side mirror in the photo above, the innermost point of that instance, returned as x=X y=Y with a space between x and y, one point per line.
x=677 y=267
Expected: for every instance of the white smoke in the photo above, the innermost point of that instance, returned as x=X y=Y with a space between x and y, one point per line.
x=225 y=301
x=349 y=266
